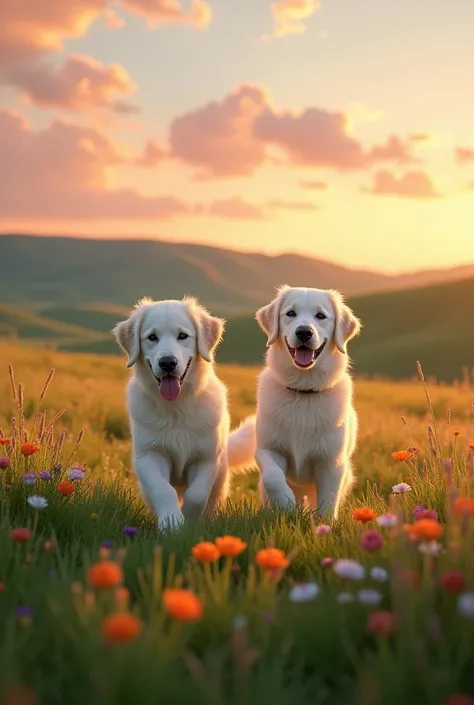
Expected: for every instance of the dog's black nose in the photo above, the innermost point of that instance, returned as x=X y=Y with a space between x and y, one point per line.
x=304 y=333
x=168 y=363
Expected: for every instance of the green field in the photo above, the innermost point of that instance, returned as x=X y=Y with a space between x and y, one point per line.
x=403 y=636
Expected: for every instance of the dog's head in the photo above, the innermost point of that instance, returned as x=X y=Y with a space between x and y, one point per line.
x=309 y=323
x=168 y=338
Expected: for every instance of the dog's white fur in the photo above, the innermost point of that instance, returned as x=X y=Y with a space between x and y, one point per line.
x=181 y=448
x=305 y=440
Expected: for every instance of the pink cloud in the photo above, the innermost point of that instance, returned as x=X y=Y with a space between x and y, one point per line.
x=235 y=208
x=152 y=155
x=290 y=16
x=411 y=184
x=171 y=11
x=464 y=155
x=279 y=204
x=314 y=185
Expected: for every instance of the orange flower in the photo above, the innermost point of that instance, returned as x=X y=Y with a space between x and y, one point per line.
x=28 y=448
x=425 y=529
x=122 y=595
x=230 y=545
x=206 y=552
x=66 y=488
x=402 y=455
x=182 y=605
x=121 y=627
x=364 y=514
x=271 y=559
x=20 y=535
x=382 y=623
x=4 y=441
x=464 y=505
x=105 y=574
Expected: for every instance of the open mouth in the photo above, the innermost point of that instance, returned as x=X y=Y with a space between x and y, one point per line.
x=170 y=385
x=304 y=356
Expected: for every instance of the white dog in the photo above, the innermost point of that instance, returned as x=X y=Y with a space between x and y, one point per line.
x=306 y=422
x=178 y=409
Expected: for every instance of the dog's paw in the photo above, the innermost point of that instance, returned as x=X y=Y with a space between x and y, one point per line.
x=171 y=522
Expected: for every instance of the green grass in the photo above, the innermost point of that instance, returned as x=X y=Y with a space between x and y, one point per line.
x=254 y=643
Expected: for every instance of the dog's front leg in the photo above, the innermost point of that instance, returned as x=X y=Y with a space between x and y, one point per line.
x=201 y=478
x=332 y=483
x=154 y=472
x=272 y=468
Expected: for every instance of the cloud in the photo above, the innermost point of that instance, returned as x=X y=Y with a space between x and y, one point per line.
x=464 y=155
x=152 y=155
x=411 y=184
x=418 y=137
x=236 y=135
x=279 y=204
x=235 y=208
x=314 y=185
x=81 y=82
x=160 y=12
x=290 y=16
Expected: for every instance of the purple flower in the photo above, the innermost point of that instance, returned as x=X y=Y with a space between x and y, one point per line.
x=107 y=544
x=130 y=531
x=29 y=479
x=371 y=541
x=57 y=468
x=45 y=475
x=4 y=462
x=422 y=512
x=76 y=473
x=24 y=611
x=419 y=509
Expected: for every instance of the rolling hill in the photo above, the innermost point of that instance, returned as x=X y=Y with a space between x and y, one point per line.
x=38 y=272
x=432 y=324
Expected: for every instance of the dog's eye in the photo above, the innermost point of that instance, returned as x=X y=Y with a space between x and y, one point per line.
x=321 y=316
x=183 y=336
x=152 y=338
x=291 y=314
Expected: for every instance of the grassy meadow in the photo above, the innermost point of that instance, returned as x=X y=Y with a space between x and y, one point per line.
x=367 y=612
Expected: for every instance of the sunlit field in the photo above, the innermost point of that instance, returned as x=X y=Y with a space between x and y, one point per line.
x=97 y=607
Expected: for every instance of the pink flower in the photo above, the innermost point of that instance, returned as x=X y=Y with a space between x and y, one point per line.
x=4 y=462
x=371 y=541
x=322 y=529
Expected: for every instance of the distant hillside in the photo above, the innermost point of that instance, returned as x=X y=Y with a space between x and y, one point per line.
x=432 y=324
x=37 y=272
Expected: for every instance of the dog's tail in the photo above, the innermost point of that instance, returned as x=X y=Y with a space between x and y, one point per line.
x=242 y=444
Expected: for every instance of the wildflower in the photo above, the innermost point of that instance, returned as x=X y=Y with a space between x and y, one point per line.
x=105 y=574
x=371 y=541
x=322 y=529
x=24 y=614
x=4 y=441
x=20 y=535
x=430 y=548
x=401 y=488
x=466 y=604
x=4 y=462
x=425 y=529
x=48 y=545
x=66 y=488
x=402 y=455
x=57 y=468
x=382 y=623
x=2 y=587
x=94 y=516
x=28 y=449
x=380 y=575
x=464 y=505
x=304 y=592
x=369 y=596
x=345 y=597
x=326 y=562
x=271 y=559
x=182 y=605
x=76 y=473
x=459 y=699
x=349 y=569
x=37 y=502
x=45 y=475
x=363 y=514
x=453 y=581
x=130 y=531
x=421 y=511
x=206 y=552
x=230 y=546
x=122 y=595
x=29 y=479
x=121 y=628
x=387 y=520
x=107 y=544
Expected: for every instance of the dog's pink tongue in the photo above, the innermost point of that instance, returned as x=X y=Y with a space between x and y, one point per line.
x=303 y=356
x=170 y=388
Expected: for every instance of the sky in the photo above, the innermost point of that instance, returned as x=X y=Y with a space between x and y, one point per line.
x=336 y=128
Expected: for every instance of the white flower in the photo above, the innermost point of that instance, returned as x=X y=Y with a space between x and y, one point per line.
x=37 y=502
x=430 y=548
x=368 y=596
x=345 y=597
x=349 y=569
x=304 y=592
x=466 y=604
x=401 y=488
x=380 y=575
x=387 y=521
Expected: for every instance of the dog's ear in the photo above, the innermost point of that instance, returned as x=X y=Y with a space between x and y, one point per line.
x=209 y=329
x=268 y=317
x=127 y=334
x=347 y=325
